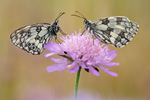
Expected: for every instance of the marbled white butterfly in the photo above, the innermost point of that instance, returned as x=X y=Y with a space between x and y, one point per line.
x=32 y=38
x=117 y=30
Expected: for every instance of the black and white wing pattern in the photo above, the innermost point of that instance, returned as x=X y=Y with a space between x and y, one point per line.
x=117 y=30
x=32 y=38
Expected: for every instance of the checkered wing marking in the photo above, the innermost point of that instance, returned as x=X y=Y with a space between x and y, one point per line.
x=118 y=30
x=32 y=38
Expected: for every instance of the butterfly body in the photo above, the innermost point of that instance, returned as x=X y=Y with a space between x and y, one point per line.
x=116 y=30
x=32 y=38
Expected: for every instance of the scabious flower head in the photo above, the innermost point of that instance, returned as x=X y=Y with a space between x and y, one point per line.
x=81 y=51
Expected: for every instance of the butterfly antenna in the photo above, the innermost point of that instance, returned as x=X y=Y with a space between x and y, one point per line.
x=61 y=13
x=81 y=16
x=78 y=16
x=62 y=31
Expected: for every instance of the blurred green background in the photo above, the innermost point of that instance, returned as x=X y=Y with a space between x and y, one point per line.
x=24 y=77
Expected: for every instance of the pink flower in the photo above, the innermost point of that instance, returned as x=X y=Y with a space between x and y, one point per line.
x=81 y=51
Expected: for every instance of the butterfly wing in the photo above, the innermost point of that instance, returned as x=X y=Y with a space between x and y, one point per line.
x=118 y=30
x=32 y=38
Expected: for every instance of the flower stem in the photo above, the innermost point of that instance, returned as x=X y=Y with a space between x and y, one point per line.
x=77 y=82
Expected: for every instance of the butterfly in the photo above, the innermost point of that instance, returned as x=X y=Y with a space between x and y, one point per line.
x=115 y=30
x=32 y=38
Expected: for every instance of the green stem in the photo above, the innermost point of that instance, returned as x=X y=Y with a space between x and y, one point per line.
x=77 y=82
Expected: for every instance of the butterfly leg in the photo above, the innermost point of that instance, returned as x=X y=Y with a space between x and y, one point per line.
x=82 y=33
x=62 y=31
x=57 y=40
x=93 y=39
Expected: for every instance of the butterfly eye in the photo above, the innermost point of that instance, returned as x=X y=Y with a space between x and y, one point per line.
x=55 y=23
x=87 y=22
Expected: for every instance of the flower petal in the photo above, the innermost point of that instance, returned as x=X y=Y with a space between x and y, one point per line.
x=110 y=64
x=72 y=55
x=74 y=63
x=49 y=54
x=68 y=66
x=83 y=65
x=112 y=55
x=55 y=67
x=62 y=60
x=53 y=47
x=74 y=69
x=95 y=72
x=109 y=72
x=90 y=63
x=84 y=58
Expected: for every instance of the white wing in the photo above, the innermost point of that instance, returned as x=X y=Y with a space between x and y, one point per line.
x=32 y=38
x=118 y=30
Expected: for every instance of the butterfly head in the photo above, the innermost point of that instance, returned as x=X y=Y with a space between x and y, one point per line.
x=87 y=24
x=55 y=27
